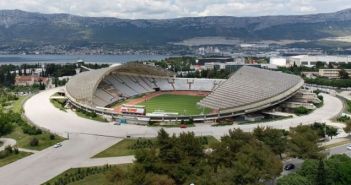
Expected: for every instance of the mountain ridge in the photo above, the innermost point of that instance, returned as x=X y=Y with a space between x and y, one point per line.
x=17 y=26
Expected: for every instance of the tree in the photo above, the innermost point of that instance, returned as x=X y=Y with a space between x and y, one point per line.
x=338 y=169
x=255 y=163
x=320 y=65
x=293 y=179
x=331 y=131
x=334 y=170
x=249 y=161
x=274 y=138
x=34 y=142
x=343 y=74
x=303 y=143
x=321 y=176
x=347 y=128
x=6 y=125
x=191 y=146
x=155 y=179
x=225 y=152
x=301 y=110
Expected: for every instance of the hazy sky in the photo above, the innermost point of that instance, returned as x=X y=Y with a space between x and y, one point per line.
x=159 y=9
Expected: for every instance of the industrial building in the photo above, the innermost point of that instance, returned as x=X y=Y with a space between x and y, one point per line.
x=311 y=61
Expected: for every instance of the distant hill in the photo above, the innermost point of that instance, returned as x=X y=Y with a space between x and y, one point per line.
x=34 y=28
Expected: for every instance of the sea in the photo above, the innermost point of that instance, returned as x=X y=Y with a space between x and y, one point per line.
x=102 y=59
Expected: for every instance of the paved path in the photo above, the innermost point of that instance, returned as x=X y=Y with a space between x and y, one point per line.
x=40 y=111
x=108 y=160
x=7 y=142
x=28 y=150
x=340 y=150
x=44 y=165
x=345 y=94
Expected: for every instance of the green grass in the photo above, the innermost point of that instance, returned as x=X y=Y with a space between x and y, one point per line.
x=58 y=104
x=182 y=104
x=17 y=105
x=13 y=157
x=124 y=147
x=86 y=116
x=95 y=179
x=23 y=140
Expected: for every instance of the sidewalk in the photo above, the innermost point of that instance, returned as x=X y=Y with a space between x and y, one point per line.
x=108 y=160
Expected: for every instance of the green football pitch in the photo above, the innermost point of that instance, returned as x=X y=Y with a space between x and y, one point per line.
x=182 y=104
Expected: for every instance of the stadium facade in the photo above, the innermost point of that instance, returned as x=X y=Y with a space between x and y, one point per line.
x=247 y=90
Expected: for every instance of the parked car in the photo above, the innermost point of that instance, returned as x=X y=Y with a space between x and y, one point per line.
x=58 y=145
x=289 y=167
x=183 y=126
x=349 y=147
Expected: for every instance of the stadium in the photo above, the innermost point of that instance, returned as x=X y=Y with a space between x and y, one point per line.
x=146 y=92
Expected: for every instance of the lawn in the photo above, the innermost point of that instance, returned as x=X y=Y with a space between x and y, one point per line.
x=23 y=139
x=125 y=147
x=181 y=104
x=121 y=148
x=13 y=157
x=17 y=105
x=58 y=104
x=99 y=178
x=91 y=116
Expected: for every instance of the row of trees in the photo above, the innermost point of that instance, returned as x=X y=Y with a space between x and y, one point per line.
x=239 y=158
x=340 y=83
x=176 y=64
x=334 y=170
x=209 y=73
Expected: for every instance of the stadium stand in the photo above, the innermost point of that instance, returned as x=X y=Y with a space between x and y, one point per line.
x=247 y=90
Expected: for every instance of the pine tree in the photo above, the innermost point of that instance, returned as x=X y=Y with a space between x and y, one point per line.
x=321 y=175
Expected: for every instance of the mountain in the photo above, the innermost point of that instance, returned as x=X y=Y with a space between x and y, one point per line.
x=34 y=28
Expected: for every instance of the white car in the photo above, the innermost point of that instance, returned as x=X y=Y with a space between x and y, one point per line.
x=349 y=147
x=57 y=145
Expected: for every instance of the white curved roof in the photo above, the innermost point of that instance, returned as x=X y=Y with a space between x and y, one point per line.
x=82 y=86
x=251 y=85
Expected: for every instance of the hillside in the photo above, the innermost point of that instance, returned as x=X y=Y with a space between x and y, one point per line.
x=34 y=28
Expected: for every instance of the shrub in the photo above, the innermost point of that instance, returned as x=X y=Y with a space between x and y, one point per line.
x=343 y=118
x=31 y=130
x=301 y=110
x=191 y=121
x=3 y=154
x=15 y=150
x=52 y=136
x=34 y=142
x=182 y=122
x=8 y=149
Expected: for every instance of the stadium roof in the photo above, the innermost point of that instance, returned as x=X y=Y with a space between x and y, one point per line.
x=82 y=86
x=251 y=87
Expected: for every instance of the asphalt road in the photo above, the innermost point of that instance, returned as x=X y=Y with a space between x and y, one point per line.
x=340 y=150
x=40 y=111
x=42 y=166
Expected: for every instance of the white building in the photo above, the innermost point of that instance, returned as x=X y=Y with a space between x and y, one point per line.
x=311 y=61
x=278 y=61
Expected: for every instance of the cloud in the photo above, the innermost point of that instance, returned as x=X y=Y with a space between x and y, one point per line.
x=160 y=9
